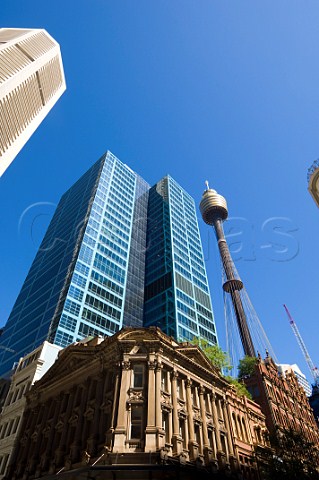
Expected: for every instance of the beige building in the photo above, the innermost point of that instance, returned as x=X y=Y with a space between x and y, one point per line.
x=137 y=405
x=313 y=181
x=30 y=369
x=31 y=81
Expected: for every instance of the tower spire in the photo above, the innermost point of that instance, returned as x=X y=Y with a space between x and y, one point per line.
x=214 y=211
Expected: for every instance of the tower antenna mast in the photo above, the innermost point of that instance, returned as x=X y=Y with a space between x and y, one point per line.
x=314 y=370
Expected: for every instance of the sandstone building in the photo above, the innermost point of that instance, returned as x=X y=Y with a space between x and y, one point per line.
x=30 y=368
x=136 y=405
x=282 y=400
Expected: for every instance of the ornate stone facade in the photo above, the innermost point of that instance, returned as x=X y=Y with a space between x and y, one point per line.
x=136 y=402
x=282 y=400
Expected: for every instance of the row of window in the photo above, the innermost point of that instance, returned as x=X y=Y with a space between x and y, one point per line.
x=99 y=321
x=9 y=428
x=101 y=292
x=15 y=395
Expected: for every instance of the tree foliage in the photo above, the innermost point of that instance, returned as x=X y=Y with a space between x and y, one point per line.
x=214 y=353
x=240 y=387
x=246 y=366
x=291 y=457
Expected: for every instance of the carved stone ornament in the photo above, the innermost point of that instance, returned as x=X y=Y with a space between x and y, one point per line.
x=59 y=426
x=73 y=420
x=136 y=395
x=46 y=430
x=126 y=365
x=197 y=418
x=86 y=458
x=34 y=435
x=107 y=405
x=152 y=364
x=188 y=383
x=182 y=413
x=174 y=375
x=167 y=406
x=89 y=412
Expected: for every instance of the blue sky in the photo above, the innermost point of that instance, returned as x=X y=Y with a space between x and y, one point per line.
x=219 y=90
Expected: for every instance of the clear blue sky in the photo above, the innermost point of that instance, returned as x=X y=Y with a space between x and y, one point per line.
x=223 y=90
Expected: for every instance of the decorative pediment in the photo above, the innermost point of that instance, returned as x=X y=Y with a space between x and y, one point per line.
x=196 y=355
x=69 y=361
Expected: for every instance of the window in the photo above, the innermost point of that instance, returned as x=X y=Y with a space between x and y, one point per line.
x=164 y=380
x=194 y=397
x=138 y=376
x=136 y=422
x=4 y=462
x=182 y=431
x=211 y=439
x=197 y=437
x=165 y=424
x=179 y=388
x=223 y=443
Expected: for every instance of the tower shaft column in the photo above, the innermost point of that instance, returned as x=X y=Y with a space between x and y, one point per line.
x=232 y=286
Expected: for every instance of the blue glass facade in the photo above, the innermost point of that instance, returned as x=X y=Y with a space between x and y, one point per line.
x=113 y=239
x=89 y=269
x=177 y=295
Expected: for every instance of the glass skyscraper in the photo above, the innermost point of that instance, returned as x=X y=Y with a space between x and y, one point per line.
x=177 y=295
x=112 y=239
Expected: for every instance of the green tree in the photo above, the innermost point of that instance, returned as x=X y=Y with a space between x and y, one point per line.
x=240 y=387
x=246 y=366
x=291 y=457
x=214 y=353
x=220 y=360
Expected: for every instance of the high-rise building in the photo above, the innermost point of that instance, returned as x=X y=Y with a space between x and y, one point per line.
x=176 y=288
x=31 y=81
x=301 y=377
x=88 y=277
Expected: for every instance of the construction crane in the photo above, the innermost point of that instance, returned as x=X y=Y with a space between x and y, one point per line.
x=314 y=370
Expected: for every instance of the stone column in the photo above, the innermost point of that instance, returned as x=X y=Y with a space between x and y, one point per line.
x=207 y=450
x=77 y=443
x=203 y=415
x=192 y=444
x=113 y=408
x=52 y=441
x=94 y=434
x=25 y=457
x=216 y=423
x=176 y=438
x=151 y=430
x=228 y=428
x=158 y=409
x=40 y=440
x=120 y=432
x=62 y=448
